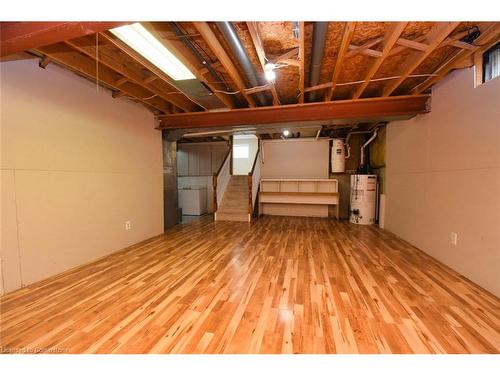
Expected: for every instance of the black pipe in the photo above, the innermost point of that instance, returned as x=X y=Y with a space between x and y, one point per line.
x=204 y=61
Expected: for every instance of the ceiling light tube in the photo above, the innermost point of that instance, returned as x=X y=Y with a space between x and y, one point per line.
x=141 y=40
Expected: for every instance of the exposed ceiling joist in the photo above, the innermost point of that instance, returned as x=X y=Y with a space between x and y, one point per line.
x=216 y=47
x=349 y=29
x=360 y=109
x=88 y=68
x=393 y=32
x=44 y=61
x=439 y=32
x=192 y=104
x=129 y=74
x=354 y=50
x=286 y=56
x=488 y=36
x=20 y=36
x=302 y=66
x=253 y=28
x=412 y=44
x=177 y=47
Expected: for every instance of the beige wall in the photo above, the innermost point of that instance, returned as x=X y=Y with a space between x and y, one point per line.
x=76 y=164
x=443 y=176
x=295 y=158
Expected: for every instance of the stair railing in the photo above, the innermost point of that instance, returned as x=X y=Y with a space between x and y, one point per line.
x=253 y=183
x=221 y=179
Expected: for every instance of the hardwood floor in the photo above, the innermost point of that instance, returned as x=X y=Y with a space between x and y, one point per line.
x=279 y=285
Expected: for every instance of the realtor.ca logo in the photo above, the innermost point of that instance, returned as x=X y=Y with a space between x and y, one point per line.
x=30 y=350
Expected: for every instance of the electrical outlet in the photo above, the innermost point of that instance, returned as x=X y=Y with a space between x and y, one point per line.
x=128 y=225
x=453 y=238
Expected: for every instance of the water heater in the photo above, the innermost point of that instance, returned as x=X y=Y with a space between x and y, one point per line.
x=338 y=156
x=363 y=198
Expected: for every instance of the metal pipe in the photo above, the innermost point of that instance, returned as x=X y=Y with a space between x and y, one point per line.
x=319 y=39
x=349 y=137
x=362 y=161
x=188 y=44
x=234 y=42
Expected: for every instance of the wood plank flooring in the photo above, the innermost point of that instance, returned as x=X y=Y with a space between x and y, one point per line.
x=278 y=285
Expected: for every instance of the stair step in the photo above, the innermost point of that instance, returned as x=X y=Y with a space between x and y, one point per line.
x=234 y=205
x=233 y=209
x=222 y=216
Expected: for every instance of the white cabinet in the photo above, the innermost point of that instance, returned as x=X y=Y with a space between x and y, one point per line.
x=193 y=201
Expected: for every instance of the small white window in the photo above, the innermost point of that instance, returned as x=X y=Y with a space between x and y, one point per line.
x=240 y=151
x=491 y=63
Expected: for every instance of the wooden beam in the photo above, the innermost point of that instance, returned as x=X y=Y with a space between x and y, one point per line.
x=216 y=47
x=152 y=68
x=412 y=44
x=402 y=44
x=44 y=61
x=369 y=52
x=353 y=110
x=117 y=94
x=150 y=79
x=488 y=35
x=359 y=49
x=434 y=38
x=254 y=90
x=399 y=48
x=63 y=55
x=216 y=65
x=290 y=62
x=287 y=55
x=187 y=57
x=463 y=45
x=344 y=46
x=127 y=71
x=453 y=39
x=302 y=67
x=321 y=86
x=253 y=28
x=393 y=33
x=20 y=36
x=479 y=70
x=121 y=81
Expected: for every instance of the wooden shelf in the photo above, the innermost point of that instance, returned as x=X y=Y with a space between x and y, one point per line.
x=300 y=192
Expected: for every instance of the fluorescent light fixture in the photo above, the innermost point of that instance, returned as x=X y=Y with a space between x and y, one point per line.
x=286 y=133
x=142 y=41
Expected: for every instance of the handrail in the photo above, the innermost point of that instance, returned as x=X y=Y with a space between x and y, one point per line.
x=223 y=162
x=215 y=177
x=255 y=161
x=250 y=183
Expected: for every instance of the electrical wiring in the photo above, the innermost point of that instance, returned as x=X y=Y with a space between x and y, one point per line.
x=150 y=97
x=268 y=86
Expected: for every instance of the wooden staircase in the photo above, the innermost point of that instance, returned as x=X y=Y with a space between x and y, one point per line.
x=234 y=204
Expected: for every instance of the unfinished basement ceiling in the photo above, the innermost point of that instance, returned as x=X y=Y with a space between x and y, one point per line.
x=360 y=60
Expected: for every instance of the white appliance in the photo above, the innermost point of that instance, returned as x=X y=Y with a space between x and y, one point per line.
x=338 y=156
x=193 y=201
x=363 y=199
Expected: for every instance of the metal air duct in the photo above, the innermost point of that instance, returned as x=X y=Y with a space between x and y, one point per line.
x=318 y=48
x=234 y=42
